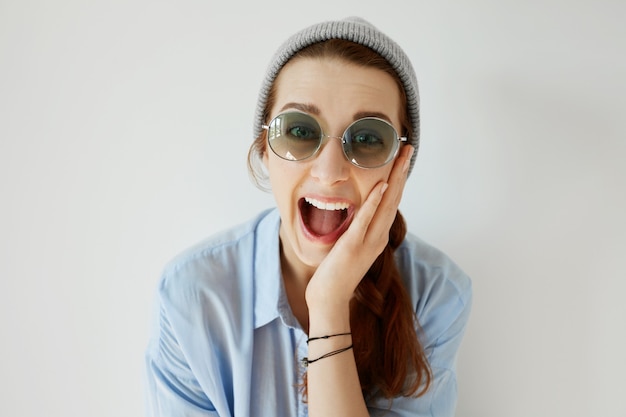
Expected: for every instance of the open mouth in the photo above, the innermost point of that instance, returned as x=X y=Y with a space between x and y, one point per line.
x=324 y=220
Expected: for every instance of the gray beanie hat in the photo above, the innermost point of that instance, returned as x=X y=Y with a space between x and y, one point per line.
x=356 y=30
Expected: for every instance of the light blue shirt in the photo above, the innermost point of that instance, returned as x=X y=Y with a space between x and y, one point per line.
x=225 y=342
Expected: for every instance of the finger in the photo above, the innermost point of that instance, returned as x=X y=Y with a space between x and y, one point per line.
x=400 y=171
x=386 y=213
x=366 y=213
x=399 y=175
x=377 y=213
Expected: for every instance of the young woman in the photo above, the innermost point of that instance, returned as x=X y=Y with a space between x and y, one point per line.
x=324 y=306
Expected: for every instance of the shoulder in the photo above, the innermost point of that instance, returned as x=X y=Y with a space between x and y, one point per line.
x=426 y=268
x=221 y=262
x=424 y=265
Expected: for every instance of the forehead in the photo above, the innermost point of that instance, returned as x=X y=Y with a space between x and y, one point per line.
x=337 y=88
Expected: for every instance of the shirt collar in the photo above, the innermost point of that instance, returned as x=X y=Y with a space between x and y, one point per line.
x=270 y=299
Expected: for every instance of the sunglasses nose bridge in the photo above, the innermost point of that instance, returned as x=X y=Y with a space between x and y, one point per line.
x=342 y=138
x=326 y=138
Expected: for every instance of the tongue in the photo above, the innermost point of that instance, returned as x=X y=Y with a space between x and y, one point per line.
x=323 y=222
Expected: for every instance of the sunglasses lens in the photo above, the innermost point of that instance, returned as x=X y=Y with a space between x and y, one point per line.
x=294 y=136
x=370 y=142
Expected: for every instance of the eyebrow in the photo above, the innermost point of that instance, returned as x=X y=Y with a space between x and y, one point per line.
x=363 y=114
x=313 y=109
x=304 y=107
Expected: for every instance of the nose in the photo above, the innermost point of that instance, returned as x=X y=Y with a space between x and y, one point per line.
x=330 y=164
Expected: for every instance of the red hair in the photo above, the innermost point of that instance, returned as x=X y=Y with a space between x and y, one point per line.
x=389 y=356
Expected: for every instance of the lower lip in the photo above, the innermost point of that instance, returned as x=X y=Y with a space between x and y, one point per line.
x=330 y=238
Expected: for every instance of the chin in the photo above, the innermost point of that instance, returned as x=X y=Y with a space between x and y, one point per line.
x=313 y=257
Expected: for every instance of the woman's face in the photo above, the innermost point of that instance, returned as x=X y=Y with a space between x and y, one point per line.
x=318 y=197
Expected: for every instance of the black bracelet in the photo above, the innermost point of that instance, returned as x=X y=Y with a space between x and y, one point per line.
x=310 y=339
x=306 y=361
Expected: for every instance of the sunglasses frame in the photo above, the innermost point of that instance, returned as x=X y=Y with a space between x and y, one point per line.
x=342 y=138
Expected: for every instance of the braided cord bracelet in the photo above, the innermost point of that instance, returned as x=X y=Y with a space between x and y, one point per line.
x=310 y=339
x=306 y=361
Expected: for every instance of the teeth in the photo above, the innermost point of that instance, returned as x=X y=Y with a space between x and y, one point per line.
x=326 y=206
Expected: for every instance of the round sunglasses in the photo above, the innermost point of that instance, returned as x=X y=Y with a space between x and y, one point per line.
x=370 y=142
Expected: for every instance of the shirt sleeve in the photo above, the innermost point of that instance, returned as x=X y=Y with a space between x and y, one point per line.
x=171 y=389
x=442 y=356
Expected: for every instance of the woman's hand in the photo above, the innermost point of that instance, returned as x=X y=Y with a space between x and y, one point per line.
x=337 y=277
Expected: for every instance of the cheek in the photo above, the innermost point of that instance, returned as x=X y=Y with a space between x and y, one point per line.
x=282 y=177
x=368 y=180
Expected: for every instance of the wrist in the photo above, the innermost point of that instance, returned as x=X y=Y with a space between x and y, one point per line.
x=329 y=319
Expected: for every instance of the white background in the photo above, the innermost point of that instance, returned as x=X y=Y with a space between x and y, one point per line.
x=124 y=128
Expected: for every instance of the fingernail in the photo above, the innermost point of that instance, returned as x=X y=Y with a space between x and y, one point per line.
x=383 y=188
